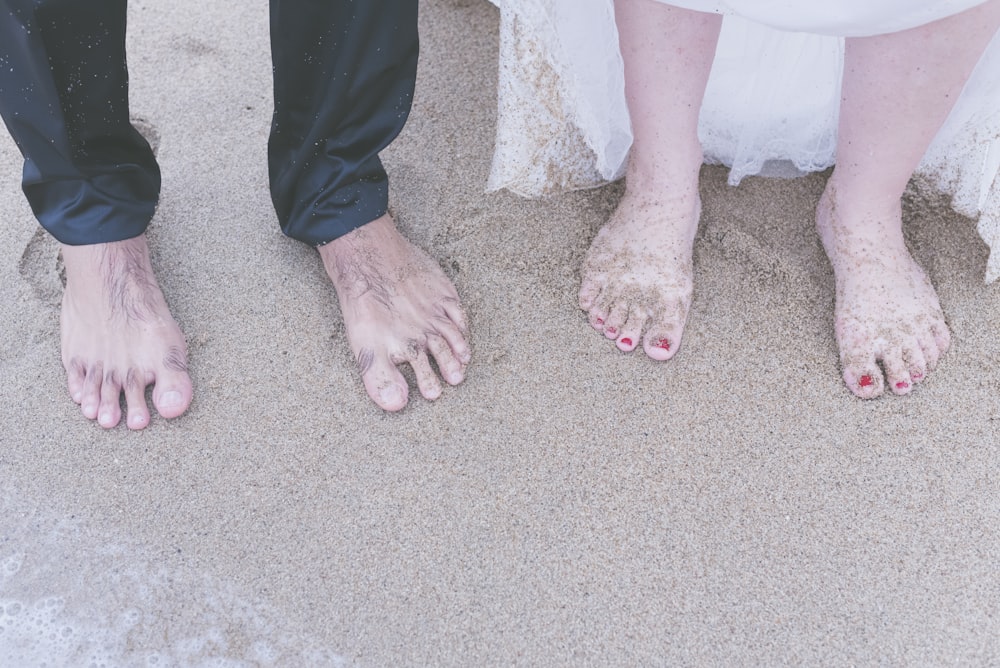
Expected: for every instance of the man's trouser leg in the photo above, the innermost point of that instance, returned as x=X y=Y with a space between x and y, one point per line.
x=89 y=176
x=344 y=73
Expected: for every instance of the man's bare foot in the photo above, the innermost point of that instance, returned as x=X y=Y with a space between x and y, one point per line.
x=118 y=335
x=887 y=310
x=398 y=307
x=637 y=277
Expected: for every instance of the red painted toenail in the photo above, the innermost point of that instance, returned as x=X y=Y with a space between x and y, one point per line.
x=865 y=381
x=626 y=341
x=916 y=376
x=663 y=343
x=902 y=385
x=600 y=321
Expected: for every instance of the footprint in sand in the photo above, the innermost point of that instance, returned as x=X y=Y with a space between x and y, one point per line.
x=41 y=267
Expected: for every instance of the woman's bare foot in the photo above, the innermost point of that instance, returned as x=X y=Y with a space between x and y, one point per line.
x=118 y=335
x=637 y=277
x=887 y=311
x=398 y=307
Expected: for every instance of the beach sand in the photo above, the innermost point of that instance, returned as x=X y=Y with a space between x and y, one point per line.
x=566 y=505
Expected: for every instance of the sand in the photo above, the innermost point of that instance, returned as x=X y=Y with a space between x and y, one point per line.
x=567 y=505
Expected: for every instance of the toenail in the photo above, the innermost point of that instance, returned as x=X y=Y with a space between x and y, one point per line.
x=105 y=418
x=663 y=343
x=626 y=341
x=916 y=376
x=171 y=399
x=865 y=381
x=390 y=395
x=612 y=330
x=902 y=385
x=600 y=321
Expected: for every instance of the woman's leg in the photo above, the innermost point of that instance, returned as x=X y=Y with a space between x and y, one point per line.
x=897 y=92
x=637 y=274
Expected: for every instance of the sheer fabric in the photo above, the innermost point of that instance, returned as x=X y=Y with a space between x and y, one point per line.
x=770 y=108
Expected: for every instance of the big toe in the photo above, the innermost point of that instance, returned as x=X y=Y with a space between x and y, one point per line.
x=862 y=374
x=172 y=394
x=663 y=337
x=661 y=344
x=386 y=386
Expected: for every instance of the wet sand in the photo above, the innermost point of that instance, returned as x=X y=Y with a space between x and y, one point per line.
x=567 y=505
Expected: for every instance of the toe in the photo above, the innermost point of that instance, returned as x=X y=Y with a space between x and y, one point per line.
x=864 y=379
x=109 y=411
x=930 y=351
x=663 y=337
x=859 y=350
x=627 y=341
x=172 y=391
x=453 y=308
x=172 y=398
x=597 y=317
x=452 y=370
x=616 y=320
x=589 y=293
x=386 y=385
x=137 y=413
x=897 y=372
x=942 y=337
x=632 y=331
x=916 y=365
x=427 y=380
x=91 y=392
x=455 y=339
x=172 y=394
x=601 y=311
x=76 y=373
x=661 y=344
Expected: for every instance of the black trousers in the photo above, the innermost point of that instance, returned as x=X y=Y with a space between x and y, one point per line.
x=344 y=72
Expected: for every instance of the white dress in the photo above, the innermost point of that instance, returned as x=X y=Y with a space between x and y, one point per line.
x=770 y=108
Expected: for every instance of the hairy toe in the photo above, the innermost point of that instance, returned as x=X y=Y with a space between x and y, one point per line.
x=76 y=374
x=91 y=391
x=137 y=413
x=109 y=410
x=453 y=309
x=427 y=380
x=455 y=339
x=452 y=369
